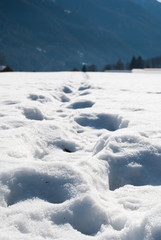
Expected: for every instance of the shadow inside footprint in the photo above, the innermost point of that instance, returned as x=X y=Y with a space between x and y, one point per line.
x=110 y=122
x=67 y=150
x=64 y=98
x=67 y=90
x=84 y=216
x=65 y=145
x=33 y=114
x=84 y=88
x=81 y=104
x=35 y=97
x=132 y=160
x=27 y=184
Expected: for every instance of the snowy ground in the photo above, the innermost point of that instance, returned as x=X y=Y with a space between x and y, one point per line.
x=80 y=156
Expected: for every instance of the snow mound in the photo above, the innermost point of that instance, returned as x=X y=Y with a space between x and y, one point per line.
x=111 y=122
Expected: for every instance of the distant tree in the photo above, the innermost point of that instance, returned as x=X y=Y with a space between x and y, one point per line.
x=92 y=68
x=119 y=65
x=127 y=66
x=84 y=68
x=155 y=62
x=107 y=67
x=74 y=70
x=133 y=63
x=140 y=62
x=147 y=65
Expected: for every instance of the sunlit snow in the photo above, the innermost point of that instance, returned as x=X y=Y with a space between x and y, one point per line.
x=80 y=156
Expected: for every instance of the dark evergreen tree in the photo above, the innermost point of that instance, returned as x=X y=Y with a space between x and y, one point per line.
x=127 y=66
x=147 y=65
x=107 y=67
x=140 y=62
x=84 y=68
x=133 y=63
x=92 y=68
x=155 y=62
x=119 y=65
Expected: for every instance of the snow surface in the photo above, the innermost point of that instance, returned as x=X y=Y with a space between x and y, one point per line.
x=80 y=156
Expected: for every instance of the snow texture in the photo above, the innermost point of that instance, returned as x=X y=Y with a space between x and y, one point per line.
x=80 y=156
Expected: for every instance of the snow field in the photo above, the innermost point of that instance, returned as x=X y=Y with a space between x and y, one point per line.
x=80 y=156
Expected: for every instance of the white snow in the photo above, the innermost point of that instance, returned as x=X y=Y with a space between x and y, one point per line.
x=80 y=156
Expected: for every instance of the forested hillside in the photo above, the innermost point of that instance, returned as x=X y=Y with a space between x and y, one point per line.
x=59 y=35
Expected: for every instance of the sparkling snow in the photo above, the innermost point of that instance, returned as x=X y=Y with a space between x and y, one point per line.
x=80 y=156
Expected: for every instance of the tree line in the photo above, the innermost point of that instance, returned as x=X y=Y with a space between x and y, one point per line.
x=135 y=63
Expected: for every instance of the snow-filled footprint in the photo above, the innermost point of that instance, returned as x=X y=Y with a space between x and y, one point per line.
x=83 y=214
x=65 y=145
x=111 y=122
x=132 y=160
x=83 y=88
x=81 y=104
x=38 y=97
x=85 y=93
x=64 y=98
x=67 y=89
x=28 y=183
x=33 y=113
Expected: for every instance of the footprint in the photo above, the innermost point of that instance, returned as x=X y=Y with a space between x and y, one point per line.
x=84 y=93
x=64 y=98
x=84 y=216
x=110 y=122
x=84 y=88
x=66 y=146
x=153 y=92
x=67 y=90
x=33 y=114
x=132 y=160
x=28 y=184
x=35 y=97
x=81 y=104
x=10 y=102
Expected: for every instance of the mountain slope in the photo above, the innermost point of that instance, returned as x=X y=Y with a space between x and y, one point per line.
x=130 y=21
x=153 y=7
x=47 y=35
x=42 y=36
